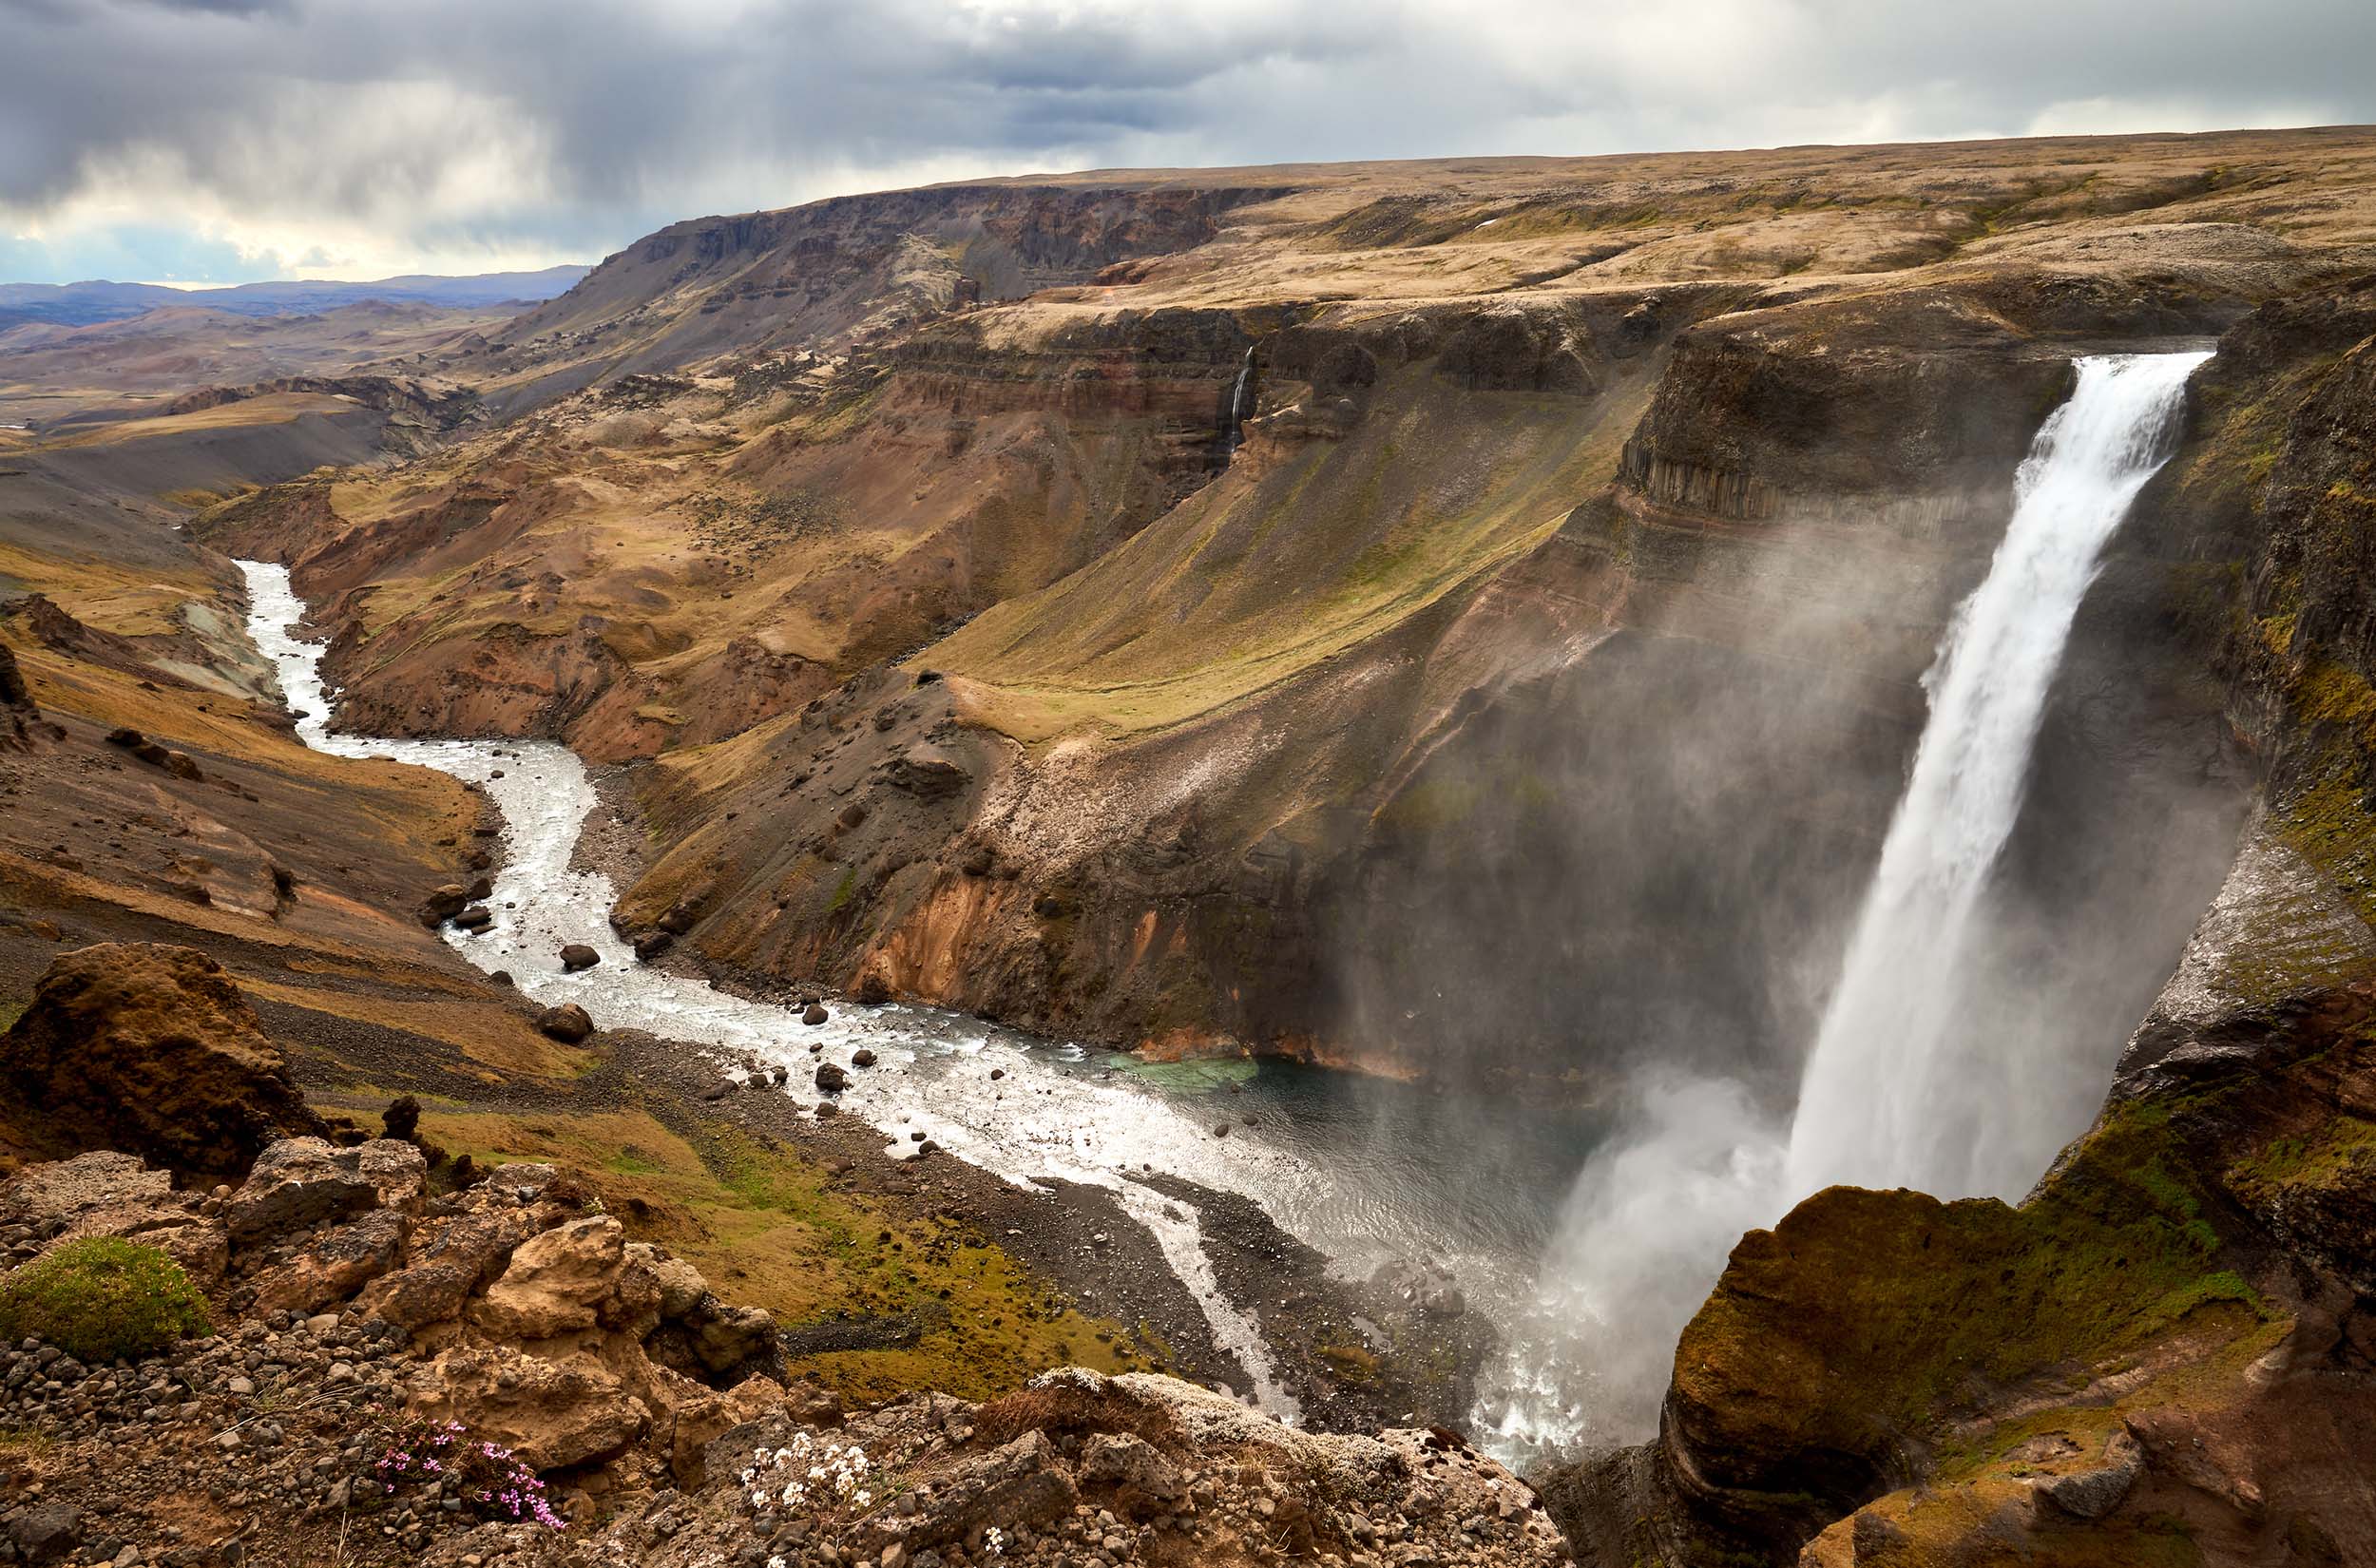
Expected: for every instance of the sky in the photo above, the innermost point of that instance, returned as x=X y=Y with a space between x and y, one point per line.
x=229 y=141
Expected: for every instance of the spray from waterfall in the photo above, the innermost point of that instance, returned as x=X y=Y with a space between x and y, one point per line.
x=1892 y=1094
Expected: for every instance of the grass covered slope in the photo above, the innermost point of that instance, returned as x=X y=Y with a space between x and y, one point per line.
x=1320 y=536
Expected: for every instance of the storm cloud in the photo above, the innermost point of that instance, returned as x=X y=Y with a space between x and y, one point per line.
x=234 y=138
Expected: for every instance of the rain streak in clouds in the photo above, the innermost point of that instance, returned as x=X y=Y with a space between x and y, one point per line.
x=229 y=139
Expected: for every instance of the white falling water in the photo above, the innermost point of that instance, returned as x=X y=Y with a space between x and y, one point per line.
x=1893 y=1096
x=1241 y=402
x=1890 y=1096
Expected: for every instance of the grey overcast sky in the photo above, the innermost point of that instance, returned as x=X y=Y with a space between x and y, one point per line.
x=221 y=141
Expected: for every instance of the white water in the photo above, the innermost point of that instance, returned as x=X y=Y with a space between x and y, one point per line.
x=1891 y=1096
x=1239 y=404
x=1045 y=1119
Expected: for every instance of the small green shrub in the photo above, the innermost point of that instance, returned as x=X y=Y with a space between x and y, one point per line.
x=102 y=1298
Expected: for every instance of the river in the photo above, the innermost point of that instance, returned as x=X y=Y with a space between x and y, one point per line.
x=1364 y=1170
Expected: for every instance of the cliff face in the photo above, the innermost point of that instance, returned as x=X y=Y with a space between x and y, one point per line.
x=1435 y=619
x=1316 y=761
x=2164 y=1349
x=1350 y=590
x=835 y=274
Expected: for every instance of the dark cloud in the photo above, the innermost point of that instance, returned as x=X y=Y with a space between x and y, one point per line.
x=448 y=128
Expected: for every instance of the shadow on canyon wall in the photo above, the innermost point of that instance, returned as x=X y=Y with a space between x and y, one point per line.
x=1654 y=856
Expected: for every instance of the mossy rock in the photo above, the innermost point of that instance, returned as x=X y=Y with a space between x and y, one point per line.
x=102 y=1299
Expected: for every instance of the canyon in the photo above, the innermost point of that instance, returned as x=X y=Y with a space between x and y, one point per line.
x=1463 y=624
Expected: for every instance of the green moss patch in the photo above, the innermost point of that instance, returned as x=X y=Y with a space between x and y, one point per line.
x=101 y=1299
x=1868 y=1318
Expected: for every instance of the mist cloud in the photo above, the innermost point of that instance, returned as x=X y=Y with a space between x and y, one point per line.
x=478 y=133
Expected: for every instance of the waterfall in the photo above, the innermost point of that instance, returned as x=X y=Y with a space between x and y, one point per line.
x=1892 y=1095
x=1241 y=402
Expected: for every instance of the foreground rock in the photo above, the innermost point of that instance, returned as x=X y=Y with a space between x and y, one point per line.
x=151 y=1049
x=2155 y=1341
x=520 y=1312
x=569 y=1023
x=106 y=1192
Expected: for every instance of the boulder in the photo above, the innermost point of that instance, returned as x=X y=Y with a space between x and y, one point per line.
x=682 y=1287
x=831 y=1078
x=1023 y=1484
x=862 y=1058
x=725 y=1338
x=1146 y=1481
x=549 y=1412
x=46 y=1533
x=402 y=1119
x=180 y=764
x=301 y=1181
x=814 y=1013
x=2094 y=1493
x=577 y=955
x=151 y=1049
x=704 y=1420
x=651 y=944
x=336 y=1264
x=18 y=713
x=925 y=771
x=476 y=918
x=568 y=1022
x=14 y=693
x=557 y=1283
x=444 y=904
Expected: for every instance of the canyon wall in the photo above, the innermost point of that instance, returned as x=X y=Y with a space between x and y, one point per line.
x=2164 y=1348
x=1564 y=632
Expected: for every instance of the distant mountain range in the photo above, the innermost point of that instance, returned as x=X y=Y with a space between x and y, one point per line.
x=78 y=304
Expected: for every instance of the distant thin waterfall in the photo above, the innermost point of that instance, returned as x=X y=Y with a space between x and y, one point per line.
x=1241 y=402
x=1892 y=1096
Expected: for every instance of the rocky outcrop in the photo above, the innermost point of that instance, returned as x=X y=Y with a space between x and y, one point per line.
x=301 y=1182
x=544 y=1362
x=151 y=1049
x=18 y=712
x=1139 y=1467
x=2160 y=1343
x=106 y=1192
x=417 y=411
x=1955 y=1373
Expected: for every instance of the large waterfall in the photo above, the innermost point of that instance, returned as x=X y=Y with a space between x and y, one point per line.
x=1892 y=1096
